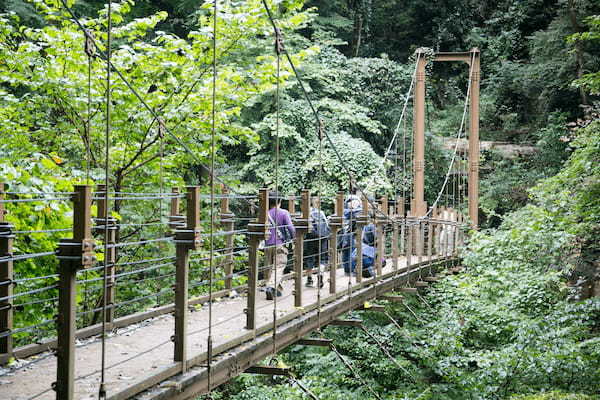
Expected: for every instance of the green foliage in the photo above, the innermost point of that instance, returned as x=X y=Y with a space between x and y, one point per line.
x=37 y=174
x=589 y=81
x=555 y=396
x=507 y=327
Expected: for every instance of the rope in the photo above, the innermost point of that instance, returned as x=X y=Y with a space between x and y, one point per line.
x=392 y=320
x=315 y=113
x=402 y=115
x=386 y=351
x=152 y=112
x=102 y=388
x=302 y=387
x=352 y=370
x=212 y=198
x=279 y=48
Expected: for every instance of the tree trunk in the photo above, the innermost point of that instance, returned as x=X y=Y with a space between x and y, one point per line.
x=571 y=9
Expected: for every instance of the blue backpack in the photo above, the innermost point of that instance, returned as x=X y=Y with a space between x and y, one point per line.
x=320 y=227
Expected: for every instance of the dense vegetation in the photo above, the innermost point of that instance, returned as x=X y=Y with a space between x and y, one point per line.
x=520 y=323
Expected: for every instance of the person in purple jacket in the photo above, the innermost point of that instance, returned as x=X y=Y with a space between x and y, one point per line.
x=280 y=233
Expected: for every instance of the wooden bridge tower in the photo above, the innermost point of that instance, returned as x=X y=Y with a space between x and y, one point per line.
x=472 y=58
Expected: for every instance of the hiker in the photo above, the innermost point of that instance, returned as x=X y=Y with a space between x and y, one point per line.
x=368 y=252
x=276 y=250
x=352 y=209
x=316 y=243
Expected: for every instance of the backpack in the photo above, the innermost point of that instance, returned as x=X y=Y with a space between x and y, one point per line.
x=319 y=224
x=350 y=217
x=369 y=235
x=283 y=233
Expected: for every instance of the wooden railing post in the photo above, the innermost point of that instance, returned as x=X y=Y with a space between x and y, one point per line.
x=74 y=254
x=409 y=245
x=110 y=237
x=400 y=213
x=176 y=220
x=227 y=221
x=395 y=243
x=186 y=239
x=336 y=223
x=457 y=228
x=292 y=207
x=301 y=225
x=430 y=229
x=256 y=232
x=6 y=282
x=361 y=221
x=380 y=222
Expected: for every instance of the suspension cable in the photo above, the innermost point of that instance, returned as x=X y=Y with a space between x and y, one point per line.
x=279 y=48
x=152 y=112
x=318 y=121
x=402 y=116
x=212 y=196
x=385 y=351
x=102 y=389
x=353 y=371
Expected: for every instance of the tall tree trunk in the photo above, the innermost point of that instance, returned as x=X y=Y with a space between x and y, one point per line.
x=571 y=9
x=357 y=12
x=357 y=37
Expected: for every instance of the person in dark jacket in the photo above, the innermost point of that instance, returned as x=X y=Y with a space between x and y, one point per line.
x=316 y=245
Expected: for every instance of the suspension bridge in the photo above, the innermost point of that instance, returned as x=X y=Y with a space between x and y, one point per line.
x=202 y=317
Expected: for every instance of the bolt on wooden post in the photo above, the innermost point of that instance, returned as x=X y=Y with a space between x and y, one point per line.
x=257 y=231
x=74 y=254
x=186 y=239
x=301 y=224
x=336 y=223
x=227 y=221
x=6 y=282
x=110 y=237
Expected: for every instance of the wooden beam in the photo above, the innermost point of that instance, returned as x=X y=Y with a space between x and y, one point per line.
x=315 y=342
x=346 y=322
x=263 y=370
x=408 y=290
x=392 y=298
x=372 y=307
x=431 y=279
x=421 y=284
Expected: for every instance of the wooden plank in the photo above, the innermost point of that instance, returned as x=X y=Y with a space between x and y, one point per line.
x=267 y=370
x=346 y=322
x=408 y=290
x=392 y=298
x=315 y=342
x=88 y=331
x=420 y=284
x=431 y=279
x=372 y=307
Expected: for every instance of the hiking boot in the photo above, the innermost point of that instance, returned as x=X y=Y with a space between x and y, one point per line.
x=271 y=291
x=309 y=282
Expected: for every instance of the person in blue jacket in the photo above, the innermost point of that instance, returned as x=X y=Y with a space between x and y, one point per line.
x=368 y=252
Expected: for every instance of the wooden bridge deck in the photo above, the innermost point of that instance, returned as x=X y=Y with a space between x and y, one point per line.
x=140 y=357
